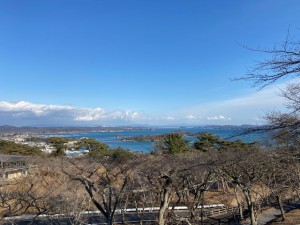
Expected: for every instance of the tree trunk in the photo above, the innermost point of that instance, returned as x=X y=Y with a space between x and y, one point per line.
x=279 y=201
x=241 y=210
x=252 y=214
x=165 y=202
x=192 y=214
x=224 y=186
x=163 y=207
x=202 y=206
x=250 y=207
x=240 y=206
x=109 y=221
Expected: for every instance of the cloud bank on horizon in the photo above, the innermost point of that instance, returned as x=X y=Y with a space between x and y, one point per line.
x=27 y=113
x=243 y=110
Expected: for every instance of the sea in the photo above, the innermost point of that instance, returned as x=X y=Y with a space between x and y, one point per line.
x=114 y=137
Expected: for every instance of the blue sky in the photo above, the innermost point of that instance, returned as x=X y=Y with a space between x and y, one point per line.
x=121 y=62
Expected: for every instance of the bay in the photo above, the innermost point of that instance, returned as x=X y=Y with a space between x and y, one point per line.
x=114 y=138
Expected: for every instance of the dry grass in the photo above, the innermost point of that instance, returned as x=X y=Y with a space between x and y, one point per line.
x=292 y=218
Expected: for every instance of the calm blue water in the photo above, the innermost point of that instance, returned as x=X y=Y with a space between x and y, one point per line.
x=113 y=139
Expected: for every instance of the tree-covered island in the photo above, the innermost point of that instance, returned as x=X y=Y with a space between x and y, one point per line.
x=155 y=138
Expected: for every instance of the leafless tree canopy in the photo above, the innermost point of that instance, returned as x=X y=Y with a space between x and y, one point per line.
x=283 y=60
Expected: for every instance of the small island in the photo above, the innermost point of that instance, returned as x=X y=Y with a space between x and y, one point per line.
x=155 y=138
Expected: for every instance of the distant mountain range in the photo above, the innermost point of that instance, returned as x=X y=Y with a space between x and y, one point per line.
x=13 y=129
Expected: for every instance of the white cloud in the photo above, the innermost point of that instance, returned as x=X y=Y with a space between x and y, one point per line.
x=90 y=114
x=220 y=117
x=27 y=111
x=239 y=110
x=169 y=118
x=191 y=117
x=36 y=109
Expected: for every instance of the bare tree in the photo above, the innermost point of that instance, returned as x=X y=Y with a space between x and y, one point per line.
x=164 y=177
x=295 y=176
x=139 y=196
x=246 y=169
x=285 y=126
x=278 y=179
x=197 y=177
x=177 y=179
x=76 y=201
x=282 y=62
x=104 y=181
x=43 y=191
x=158 y=173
